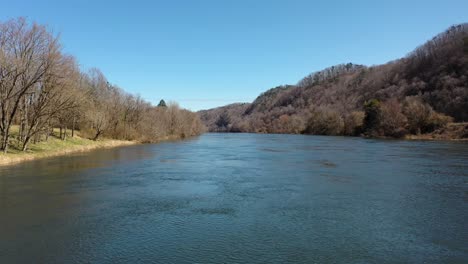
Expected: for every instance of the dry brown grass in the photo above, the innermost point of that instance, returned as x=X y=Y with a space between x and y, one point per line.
x=57 y=147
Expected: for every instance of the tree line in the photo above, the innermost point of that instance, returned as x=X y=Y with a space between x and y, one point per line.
x=420 y=93
x=42 y=88
x=389 y=118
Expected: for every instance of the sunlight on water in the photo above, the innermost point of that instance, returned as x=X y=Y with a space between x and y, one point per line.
x=241 y=198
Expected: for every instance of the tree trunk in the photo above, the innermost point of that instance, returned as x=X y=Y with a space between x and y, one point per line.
x=73 y=127
x=65 y=133
x=47 y=133
x=21 y=129
x=97 y=135
x=22 y=124
x=125 y=130
x=37 y=137
x=25 y=144
x=5 y=139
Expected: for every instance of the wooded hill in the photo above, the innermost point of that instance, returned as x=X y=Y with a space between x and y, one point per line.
x=419 y=93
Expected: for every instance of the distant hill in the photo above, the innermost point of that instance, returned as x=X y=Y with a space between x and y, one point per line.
x=434 y=75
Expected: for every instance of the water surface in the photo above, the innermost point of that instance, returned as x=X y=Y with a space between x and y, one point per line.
x=241 y=198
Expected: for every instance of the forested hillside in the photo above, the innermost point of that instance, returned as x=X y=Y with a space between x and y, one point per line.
x=419 y=93
x=41 y=87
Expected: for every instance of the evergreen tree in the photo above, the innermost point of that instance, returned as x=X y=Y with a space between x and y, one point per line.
x=223 y=120
x=162 y=103
x=372 y=116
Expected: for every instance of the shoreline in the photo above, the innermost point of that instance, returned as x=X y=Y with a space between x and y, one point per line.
x=457 y=132
x=86 y=145
x=16 y=158
x=422 y=137
x=426 y=137
x=73 y=146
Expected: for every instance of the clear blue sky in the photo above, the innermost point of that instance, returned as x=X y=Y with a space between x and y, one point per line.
x=207 y=53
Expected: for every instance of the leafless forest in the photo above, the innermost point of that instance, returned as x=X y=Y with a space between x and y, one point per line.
x=41 y=87
x=420 y=93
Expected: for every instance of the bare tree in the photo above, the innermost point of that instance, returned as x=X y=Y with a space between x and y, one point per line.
x=40 y=87
x=26 y=53
x=55 y=96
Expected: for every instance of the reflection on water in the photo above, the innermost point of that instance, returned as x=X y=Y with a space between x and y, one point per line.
x=241 y=198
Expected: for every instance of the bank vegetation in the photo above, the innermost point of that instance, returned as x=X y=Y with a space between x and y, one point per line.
x=42 y=88
x=418 y=96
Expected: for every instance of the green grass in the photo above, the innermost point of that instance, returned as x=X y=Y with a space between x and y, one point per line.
x=54 y=146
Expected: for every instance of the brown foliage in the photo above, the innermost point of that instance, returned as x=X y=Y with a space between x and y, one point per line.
x=393 y=122
x=435 y=73
x=325 y=121
x=422 y=118
x=41 y=87
x=353 y=123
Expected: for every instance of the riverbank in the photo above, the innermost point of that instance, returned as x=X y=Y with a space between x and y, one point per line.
x=57 y=147
x=453 y=131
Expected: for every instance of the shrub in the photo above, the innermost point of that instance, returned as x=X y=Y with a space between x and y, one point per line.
x=422 y=118
x=353 y=123
x=384 y=119
x=325 y=122
x=372 y=114
x=437 y=121
x=393 y=122
x=223 y=121
x=417 y=114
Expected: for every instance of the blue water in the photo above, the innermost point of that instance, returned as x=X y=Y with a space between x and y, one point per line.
x=241 y=198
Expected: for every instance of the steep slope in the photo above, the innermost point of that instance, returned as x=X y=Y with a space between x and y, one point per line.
x=434 y=74
x=222 y=119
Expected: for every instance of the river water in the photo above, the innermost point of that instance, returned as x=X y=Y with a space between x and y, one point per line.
x=241 y=198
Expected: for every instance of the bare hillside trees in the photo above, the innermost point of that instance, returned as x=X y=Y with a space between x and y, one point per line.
x=416 y=94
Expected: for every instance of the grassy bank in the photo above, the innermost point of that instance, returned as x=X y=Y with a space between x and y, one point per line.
x=57 y=147
x=54 y=146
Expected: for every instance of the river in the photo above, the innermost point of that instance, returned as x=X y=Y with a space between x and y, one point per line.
x=241 y=198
